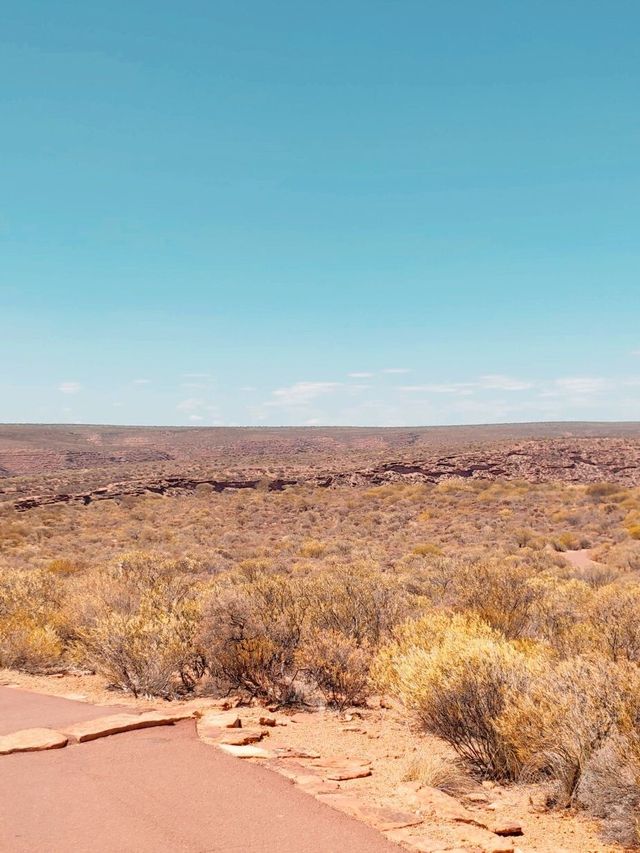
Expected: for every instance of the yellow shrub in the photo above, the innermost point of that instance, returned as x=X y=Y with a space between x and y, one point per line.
x=501 y=592
x=30 y=616
x=615 y=614
x=565 y=715
x=427 y=549
x=312 y=548
x=456 y=674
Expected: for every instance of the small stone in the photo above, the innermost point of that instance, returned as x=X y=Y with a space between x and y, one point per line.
x=476 y=797
x=245 y=751
x=268 y=721
x=507 y=828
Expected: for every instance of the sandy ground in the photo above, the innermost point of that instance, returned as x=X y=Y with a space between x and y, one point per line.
x=385 y=737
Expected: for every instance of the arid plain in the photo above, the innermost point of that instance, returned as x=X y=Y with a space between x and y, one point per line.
x=434 y=630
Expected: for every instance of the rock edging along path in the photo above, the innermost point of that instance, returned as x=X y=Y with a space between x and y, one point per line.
x=322 y=777
x=32 y=740
x=41 y=739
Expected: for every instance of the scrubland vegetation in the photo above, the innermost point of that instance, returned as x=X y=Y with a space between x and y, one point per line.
x=456 y=599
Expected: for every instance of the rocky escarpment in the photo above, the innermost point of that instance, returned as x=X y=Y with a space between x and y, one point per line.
x=574 y=461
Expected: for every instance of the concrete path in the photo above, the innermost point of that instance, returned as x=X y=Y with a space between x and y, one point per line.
x=154 y=790
x=21 y=709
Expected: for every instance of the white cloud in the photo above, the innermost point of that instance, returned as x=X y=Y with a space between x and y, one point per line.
x=190 y=404
x=301 y=393
x=312 y=422
x=635 y=352
x=70 y=387
x=196 y=376
x=497 y=381
x=396 y=370
x=580 y=386
x=247 y=388
x=450 y=388
x=196 y=418
x=360 y=375
x=141 y=382
x=488 y=382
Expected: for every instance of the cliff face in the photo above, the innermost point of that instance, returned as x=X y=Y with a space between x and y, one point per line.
x=584 y=460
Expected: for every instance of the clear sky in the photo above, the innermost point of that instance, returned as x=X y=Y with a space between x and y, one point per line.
x=354 y=212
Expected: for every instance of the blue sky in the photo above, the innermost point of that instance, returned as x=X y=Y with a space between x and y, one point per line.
x=344 y=212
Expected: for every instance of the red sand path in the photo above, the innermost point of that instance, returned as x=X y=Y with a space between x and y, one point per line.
x=154 y=790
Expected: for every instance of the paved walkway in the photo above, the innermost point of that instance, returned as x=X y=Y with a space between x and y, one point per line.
x=21 y=709
x=158 y=789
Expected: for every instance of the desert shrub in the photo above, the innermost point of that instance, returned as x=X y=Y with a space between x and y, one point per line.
x=427 y=549
x=609 y=789
x=30 y=620
x=358 y=601
x=63 y=566
x=337 y=665
x=29 y=646
x=138 y=622
x=252 y=630
x=432 y=577
x=598 y=491
x=446 y=773
x=623 y=556
x=634 y=531
x=456 y=673
x=568 y=541
x=616 y=617
x=312 y=548
x=568 y=712
x=500 y=592
x=560 y=616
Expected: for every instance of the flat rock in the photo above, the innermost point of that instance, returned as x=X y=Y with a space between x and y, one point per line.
x=476 y=797
x=245 y=751
x=427 y=843
x=294 y=752
x=357 y=771
x=337 y=762
x=118 y=723
x=225 y=720
x=506 y=828
x=32 y=740
x=240 y=737
x=383 y=819
x=439 y=805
